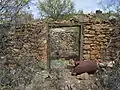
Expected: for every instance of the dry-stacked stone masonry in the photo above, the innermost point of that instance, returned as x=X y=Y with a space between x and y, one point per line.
x=28 y=39
x=96 y=38
x=32 y=38
x=96 y=35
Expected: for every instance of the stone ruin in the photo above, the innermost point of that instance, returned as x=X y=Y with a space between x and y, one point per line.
x=32 y=37
x=26 y=54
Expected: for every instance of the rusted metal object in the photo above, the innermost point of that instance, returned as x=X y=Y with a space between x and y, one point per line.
x=87 y=66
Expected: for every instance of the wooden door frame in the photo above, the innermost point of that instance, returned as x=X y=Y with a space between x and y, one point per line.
x=81 y=36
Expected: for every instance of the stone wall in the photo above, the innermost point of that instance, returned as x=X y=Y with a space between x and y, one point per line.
x=33 y=39
x=96 y=34
x=96 y=38
x=28 y=39
x=110 y=78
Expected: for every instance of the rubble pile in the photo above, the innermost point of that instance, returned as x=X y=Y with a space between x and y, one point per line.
x=60 y=79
